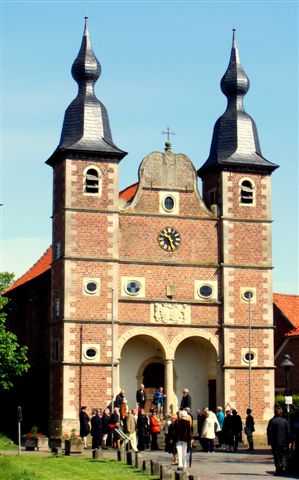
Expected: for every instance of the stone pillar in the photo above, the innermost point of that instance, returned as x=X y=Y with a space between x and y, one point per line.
x=169 y=385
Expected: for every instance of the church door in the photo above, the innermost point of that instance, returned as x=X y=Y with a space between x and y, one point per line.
x=153 y=378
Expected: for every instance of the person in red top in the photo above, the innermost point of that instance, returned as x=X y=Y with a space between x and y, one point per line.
x=154 y=430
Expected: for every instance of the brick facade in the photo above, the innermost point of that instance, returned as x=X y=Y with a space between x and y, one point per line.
x=168 y=271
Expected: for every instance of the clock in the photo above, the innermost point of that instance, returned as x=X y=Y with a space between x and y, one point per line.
x=169 y=239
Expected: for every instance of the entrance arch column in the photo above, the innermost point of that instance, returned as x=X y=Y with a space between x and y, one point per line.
x=169 y=385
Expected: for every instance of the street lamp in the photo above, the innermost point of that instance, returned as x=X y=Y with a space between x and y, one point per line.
x=287 y=365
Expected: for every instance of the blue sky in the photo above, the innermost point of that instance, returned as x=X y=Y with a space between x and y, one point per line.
x=161 y=65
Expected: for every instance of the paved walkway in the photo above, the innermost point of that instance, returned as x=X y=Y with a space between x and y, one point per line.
x=228 y=466
x=209 y=466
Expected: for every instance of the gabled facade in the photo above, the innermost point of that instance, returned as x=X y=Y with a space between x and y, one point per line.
x=286 y=340
x=157 y=285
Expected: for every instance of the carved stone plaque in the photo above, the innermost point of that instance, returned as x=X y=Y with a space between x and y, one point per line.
x=170 y=313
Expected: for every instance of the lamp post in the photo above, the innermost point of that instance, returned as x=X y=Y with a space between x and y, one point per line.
x=248 y=296
x=287 y=365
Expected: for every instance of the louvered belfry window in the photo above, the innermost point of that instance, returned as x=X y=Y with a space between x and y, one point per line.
x=247 y=192
x=91 y=181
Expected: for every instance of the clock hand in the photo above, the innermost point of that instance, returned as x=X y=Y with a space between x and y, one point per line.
x=170 y=240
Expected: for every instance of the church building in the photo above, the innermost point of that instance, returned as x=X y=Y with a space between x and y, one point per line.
x=157 y=284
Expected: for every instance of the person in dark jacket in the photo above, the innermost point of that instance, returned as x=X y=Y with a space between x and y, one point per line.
x=227 y=431
x=119 y=399
x=236 y=428
x=114 y=423
x=183 y=439
x=105 y=427
x=84 y=425
x=249 y=428
x=142 y=430
x=172 y=438
x=186 y=400
x=141 y=397
x=96 y=430
x=279 y=437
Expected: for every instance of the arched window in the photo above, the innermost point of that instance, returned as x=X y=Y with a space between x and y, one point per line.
x=247 y=192
x=92 y=181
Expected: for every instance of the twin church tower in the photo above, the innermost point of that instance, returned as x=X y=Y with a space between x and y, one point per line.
x=157 y=284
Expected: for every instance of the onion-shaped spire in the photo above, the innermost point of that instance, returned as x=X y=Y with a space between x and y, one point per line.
x=86 y=124
x=235 y=143
x=86 y=67
x=234 y=81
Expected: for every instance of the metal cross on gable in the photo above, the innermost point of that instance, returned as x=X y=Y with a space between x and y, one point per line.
x=168 y=132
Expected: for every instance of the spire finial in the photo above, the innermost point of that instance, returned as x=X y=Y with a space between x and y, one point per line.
x=86 y=32
x=234 y=37
x=168 y=144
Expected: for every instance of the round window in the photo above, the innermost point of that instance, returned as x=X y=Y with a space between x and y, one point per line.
x=168 y=203
x=133 y=287
x=90 y=353
x=91 y=287
x=205 y=291
x=248 y=295
x=249 y=357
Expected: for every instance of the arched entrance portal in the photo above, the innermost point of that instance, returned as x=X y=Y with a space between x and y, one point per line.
x=197 y=369
x=153 y=378
x=142 y=361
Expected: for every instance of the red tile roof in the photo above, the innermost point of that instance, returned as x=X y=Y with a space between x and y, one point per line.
x=293 y=333
x=129 y=192
x=289 y=306
x=41 y=266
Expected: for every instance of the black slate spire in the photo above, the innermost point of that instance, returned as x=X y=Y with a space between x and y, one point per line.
x=235 y=144
x=86 y=124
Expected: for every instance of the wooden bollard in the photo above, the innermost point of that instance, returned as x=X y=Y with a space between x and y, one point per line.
x=155 y=468
x=181 y=476
x=97 y=453
x=129 y=457
x=166 y=472
x=138 y=460
x=146 y=465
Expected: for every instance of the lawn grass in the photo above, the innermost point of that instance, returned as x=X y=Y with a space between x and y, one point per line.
x=6 y=443
x=29 y=467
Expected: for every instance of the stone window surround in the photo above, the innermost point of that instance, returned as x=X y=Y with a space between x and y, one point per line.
x=125 y=280
x=250 y=289
x=175 y=196
x=200 y=283
x=247 y=179
x=85 y=348
x=100 y=177
x=245 y=350
x=96 y=280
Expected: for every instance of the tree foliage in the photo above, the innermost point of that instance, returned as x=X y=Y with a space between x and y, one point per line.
x=13 y=357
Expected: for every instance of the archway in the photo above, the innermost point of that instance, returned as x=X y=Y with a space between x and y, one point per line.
x=153 y=378
x=142 y=357
x=196 y=365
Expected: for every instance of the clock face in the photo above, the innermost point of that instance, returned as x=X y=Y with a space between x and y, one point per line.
x=169 y=239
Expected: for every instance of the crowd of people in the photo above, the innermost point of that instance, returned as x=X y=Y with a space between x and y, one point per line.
x=142 y=428
x=221 y=429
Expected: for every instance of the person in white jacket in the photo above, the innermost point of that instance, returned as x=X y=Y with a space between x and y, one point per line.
x=209 y=429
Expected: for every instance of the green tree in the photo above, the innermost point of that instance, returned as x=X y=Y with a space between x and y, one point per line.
x=13 y=357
